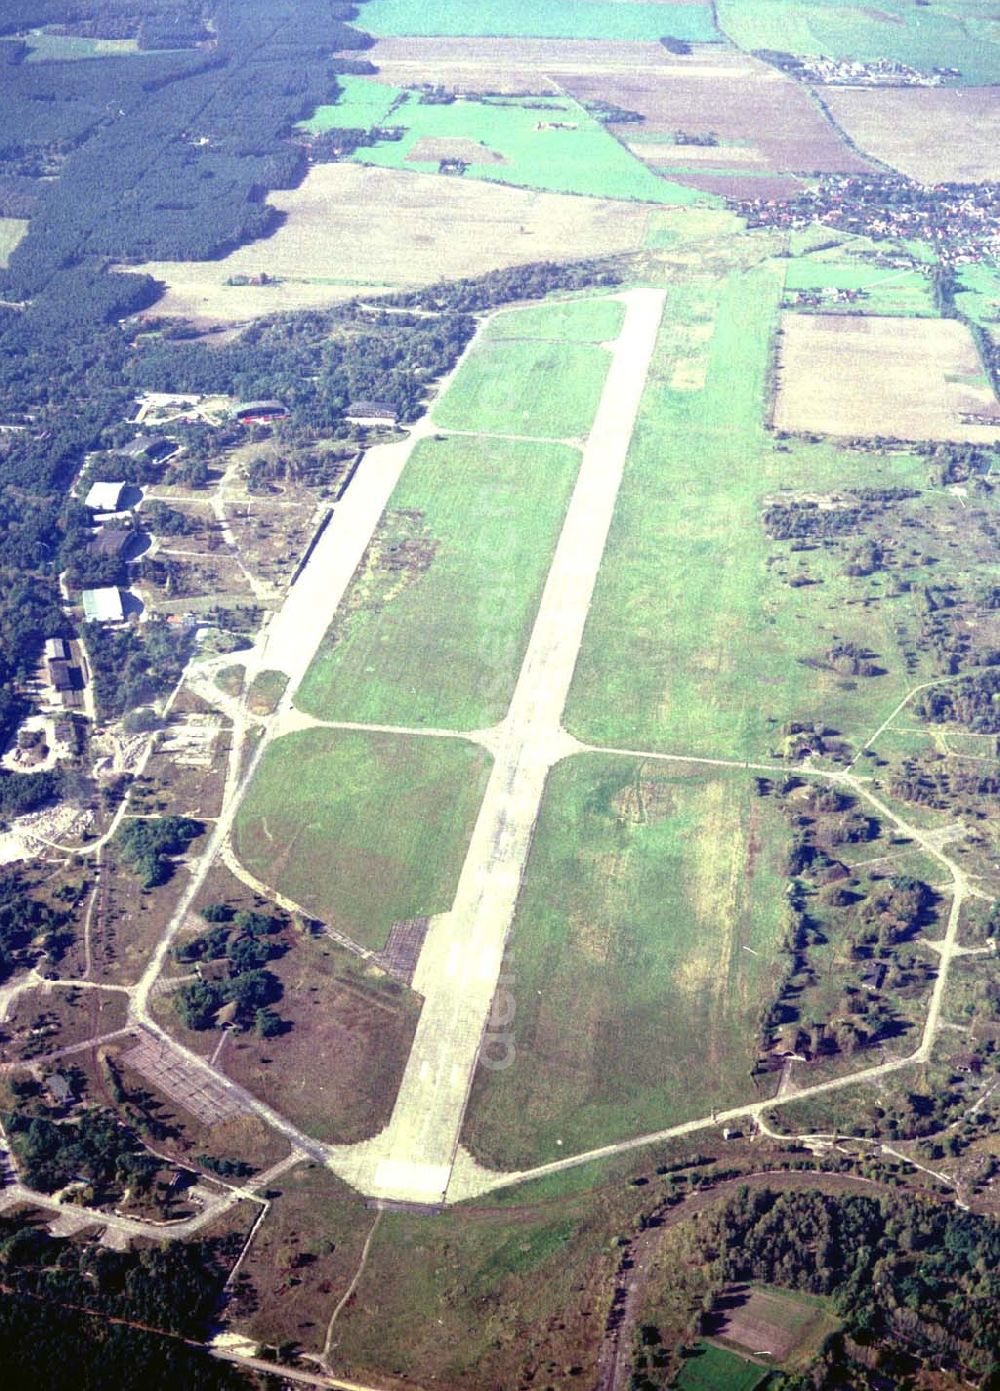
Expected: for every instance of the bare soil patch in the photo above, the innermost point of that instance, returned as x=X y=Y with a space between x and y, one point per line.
x=350 y=229
x=447 y=147
x=918 y=379
x=769 y=1322
x=931 y=134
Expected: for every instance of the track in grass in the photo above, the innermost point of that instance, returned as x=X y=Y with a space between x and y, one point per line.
x=637 y=1001
x=362 y=829
x=434 y=625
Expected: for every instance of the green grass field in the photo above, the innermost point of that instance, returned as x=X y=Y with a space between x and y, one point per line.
x=637 y=1004
x=598 y=19
x=361 y=106
x=979 y=295
x=442 y=643
x=537 y=387
x=696 y=641
x=582 y=158
x=572 y=321
x=362 y=829
x=12 y=229
x=713 y=1369
x=906 y=293
x=925 y=36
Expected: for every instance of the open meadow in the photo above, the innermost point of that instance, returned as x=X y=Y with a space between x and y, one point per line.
x=551 y=143
x=910 y=379
x=705 y=636
x=710 y=1368
x=362 y=830
x=586 y=320
x=597 y=19
x=350 y=229
x=12 y=229
x=536 y=387
x=361 y=105
x=645 y=945
x=433 y=628
x=931 y=134
x=922 y=36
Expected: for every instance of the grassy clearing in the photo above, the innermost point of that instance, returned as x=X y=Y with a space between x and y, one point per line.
x=885 y=291
x=361 y=105
x=548 y=143
x=266 y=690
x=709 y=1368
x=694 y=644
x=925 y=37
x=63 y=48
x=531 y=387
x=557 y=19
x=979 y=296
x=362 y=829
x=12 y=229
x=637 y=1003
x=435 y=623
x=572 y=321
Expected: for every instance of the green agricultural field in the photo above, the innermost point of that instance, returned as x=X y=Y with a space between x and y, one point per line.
x=924 y=36
x=537 y=387
x=572 y=321
x=698 y=641
x=556 y=19
x=550 y=143
x=709 y=1368
x=979 y=294
x=361 y=829
x=637 y=1001
x=361 y=106
x=12 y=229
x=907 y=293
x=434 y=626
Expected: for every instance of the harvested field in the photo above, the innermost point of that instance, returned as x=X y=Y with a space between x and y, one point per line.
x=352 y=229
x=790 y=1326
x=761 y=117
x=930 y=134
x=917 y=379
x=362 y=830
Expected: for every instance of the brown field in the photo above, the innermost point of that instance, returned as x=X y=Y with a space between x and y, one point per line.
x=931 y=134
x=905 y=378
x=787 y=1328
x=44 y=1020
x=355 y=230
x=426 y=150
x=763 y=119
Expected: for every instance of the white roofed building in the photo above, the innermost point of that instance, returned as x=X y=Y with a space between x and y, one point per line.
x=105 y=497
x=103 y=605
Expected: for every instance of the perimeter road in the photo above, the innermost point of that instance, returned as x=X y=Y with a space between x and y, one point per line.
x=460 y=964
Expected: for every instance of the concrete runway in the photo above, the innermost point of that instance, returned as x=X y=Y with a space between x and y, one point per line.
x=460 y=964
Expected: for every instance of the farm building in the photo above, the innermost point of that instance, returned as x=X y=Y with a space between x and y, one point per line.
x=105 y=497
x=370 y=413
x=253 y=412
x=103 y=605
x=152 y=447
x=57 y=649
